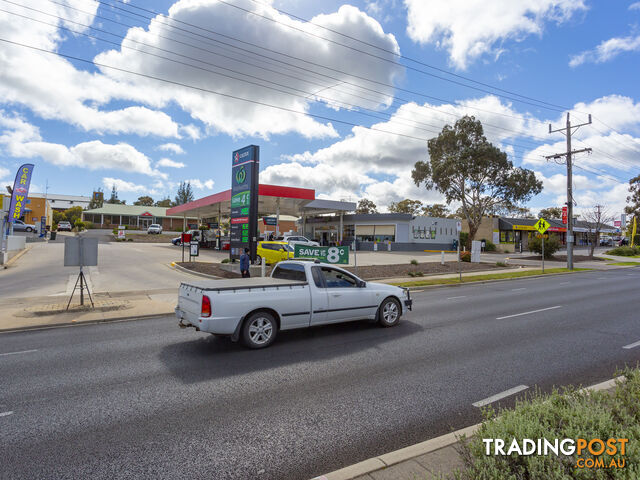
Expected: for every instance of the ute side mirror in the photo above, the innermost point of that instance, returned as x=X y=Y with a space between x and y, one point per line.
x=361 y=284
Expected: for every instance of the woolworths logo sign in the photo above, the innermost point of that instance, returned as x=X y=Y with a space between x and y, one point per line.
x=324 y=254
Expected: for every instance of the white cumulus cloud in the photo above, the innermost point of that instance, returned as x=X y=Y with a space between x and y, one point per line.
x=171 y=147
x=607 y=50
x=201 y=184
x=123 y=185
x=167 y=162
x=468 y=29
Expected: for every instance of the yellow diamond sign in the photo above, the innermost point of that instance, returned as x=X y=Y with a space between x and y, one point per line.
x=542 y=225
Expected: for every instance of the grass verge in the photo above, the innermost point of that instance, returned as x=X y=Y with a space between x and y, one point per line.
x=488 y=276
x=568 y=414
x=624 y=264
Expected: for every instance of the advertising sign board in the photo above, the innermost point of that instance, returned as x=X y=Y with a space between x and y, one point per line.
x=339 y=255
x=245 y=165
x=80 y=252
x=270 y=220
x=564 y=215
x=20 y=191
x=194 y=249
x=121 y=232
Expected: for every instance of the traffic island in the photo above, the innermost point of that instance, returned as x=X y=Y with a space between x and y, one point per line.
x=61 y=308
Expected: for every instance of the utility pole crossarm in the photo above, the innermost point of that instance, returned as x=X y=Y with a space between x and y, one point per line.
x=573 y=152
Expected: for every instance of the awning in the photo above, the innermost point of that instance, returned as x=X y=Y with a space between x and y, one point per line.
x=385 y=229
x=364 y=229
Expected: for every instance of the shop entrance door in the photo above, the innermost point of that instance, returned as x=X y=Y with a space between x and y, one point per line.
x=145 y=222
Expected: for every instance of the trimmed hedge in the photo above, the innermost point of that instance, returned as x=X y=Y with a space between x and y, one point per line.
x=624 y=251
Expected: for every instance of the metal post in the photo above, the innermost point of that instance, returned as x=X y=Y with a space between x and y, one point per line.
x=277 y=217
x=263 y=268
x=543 y=253
x=459 y=270
x=442 y=257
x=341 y=227
x=569 y=198
x=81 y=285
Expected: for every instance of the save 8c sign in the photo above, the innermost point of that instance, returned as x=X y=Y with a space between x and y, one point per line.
x=338 y=255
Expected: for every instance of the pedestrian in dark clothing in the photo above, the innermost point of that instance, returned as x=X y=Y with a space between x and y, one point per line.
x=244 y=264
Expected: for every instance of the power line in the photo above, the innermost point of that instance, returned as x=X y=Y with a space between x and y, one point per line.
x=555 y=107
x=389 y=116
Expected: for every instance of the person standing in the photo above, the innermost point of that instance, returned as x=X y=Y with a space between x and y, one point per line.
x=245 y=260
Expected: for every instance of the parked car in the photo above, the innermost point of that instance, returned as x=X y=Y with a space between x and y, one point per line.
x=273 y=252
x=298 y=294
x=64 y=226
x=299 y=239
x=20 y=226
x=606 y=242
x=154 y=228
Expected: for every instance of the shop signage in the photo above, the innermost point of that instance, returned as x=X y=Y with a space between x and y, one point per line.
x=245 y=165
x=121 y=233
x=564 y=215
x=194 y=249
x=557 y=229
x=338 y=255
x=524 y=227
x=270 y=221
x=20 y=191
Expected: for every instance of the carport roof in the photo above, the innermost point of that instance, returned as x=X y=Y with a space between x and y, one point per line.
x=293 y=201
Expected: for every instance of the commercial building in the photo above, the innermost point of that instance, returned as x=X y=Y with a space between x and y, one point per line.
x=64 y=202
x=36 y=207
x=112 y=215
x=384 y=231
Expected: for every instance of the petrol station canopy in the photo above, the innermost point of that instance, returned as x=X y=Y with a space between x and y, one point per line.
x=272 y=200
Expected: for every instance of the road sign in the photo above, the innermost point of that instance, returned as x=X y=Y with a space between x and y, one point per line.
x=324 y=254
x=542 y=225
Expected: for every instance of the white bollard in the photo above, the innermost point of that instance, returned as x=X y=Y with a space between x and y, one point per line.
x=442 y=257
x=263 y=268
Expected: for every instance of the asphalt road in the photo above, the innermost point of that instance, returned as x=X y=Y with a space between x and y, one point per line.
x=144 y=399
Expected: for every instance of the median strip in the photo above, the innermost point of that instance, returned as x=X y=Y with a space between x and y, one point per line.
x=454 y=280
x=528 y=313
x=499 y=396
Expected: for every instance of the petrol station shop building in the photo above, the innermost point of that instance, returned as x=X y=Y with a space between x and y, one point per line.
x=330 y=222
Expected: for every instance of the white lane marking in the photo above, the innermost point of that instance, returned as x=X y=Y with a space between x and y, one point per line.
x=499 y=396
x=601 y=278
x=527 y=313
x=518 y=289
x=5 y=414
x=632 y=345
x=564 y=283
x=460 y=296
x=16 y=353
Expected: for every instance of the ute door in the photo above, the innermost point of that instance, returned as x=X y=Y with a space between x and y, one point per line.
x=347 y=300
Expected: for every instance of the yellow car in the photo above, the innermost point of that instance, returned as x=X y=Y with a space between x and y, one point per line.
x=273 y=252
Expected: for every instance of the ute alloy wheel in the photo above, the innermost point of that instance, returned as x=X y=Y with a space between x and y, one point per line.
x=259 y=330
x=389 y=312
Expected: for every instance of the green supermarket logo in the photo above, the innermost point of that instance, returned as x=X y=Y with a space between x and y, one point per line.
x=241 y=175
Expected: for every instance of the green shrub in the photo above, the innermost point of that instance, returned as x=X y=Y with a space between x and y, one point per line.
x=551 y=246
x=412 y=274
x=414 y=262
x=419 y=274
x=489 y=246
x=501 y=264
x=568 y=414
x=624 y=251
x=203 y=227
x=79 y=225
x=225 y=260
x=465 y=256
x=89 y=225
x=464 y=240
x=129 y=239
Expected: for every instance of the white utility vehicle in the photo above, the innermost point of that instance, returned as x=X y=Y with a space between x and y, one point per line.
x=298 y=294
x=300 y=240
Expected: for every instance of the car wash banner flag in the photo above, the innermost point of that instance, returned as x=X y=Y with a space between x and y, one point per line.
x=20 y=192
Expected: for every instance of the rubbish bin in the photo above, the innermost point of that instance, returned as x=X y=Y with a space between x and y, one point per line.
x=53 y=235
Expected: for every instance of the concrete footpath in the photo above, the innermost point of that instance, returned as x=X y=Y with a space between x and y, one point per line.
x=437 y=458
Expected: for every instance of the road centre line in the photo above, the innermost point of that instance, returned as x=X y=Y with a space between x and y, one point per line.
x=564 y=283
x=632 y=345
x=454 y=298
x=499 y=396
x=517 y=289
x=527 y=313
x=16 y=353
x=5 y=414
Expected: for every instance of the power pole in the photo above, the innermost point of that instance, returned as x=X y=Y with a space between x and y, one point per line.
x=568 y=154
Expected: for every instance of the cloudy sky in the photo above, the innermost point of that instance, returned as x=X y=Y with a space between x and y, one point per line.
x=341 y=97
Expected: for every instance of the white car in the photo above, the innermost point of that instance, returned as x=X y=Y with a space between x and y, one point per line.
x=298 y=294
x=154 y=228
x=300 y=240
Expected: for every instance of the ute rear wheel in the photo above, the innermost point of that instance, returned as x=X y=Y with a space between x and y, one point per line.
x=389 y=312
x=259 y=330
